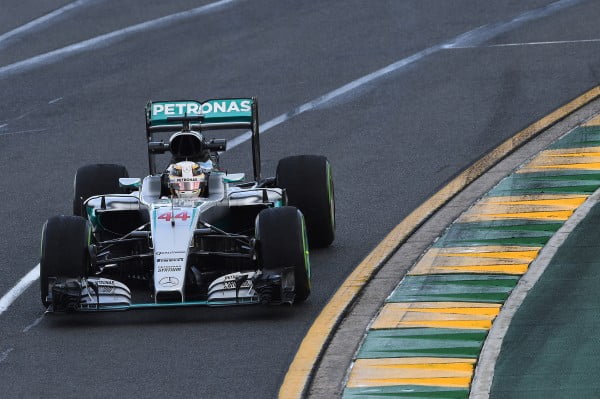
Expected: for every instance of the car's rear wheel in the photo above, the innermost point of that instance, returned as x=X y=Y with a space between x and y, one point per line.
x=96 y=179
x=308 y=182
x=281 y=236
x=64 y=252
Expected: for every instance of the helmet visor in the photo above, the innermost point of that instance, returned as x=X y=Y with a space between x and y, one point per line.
x=186 y=185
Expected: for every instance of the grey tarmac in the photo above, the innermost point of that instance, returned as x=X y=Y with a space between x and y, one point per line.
x=392 y=144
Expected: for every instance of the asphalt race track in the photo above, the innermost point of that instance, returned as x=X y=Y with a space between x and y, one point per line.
x=392 y=141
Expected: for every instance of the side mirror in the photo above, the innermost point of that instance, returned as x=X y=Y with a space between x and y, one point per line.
x=233 y=177
x=130 y=182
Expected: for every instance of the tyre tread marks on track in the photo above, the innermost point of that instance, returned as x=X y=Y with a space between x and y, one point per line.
x=425 y=341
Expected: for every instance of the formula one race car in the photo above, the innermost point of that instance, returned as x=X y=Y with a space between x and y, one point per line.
x=189 y=234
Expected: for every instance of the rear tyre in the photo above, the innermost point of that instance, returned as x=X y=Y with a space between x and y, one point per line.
x=65 y=241
x=308 y=183
x=96 y=179
x=281 y=236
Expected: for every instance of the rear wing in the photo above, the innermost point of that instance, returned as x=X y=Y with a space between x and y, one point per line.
x=226 y=113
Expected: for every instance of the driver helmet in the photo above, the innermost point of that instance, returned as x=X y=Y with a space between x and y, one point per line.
x=186 y=179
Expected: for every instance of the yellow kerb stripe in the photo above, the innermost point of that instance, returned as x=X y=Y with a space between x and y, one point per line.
x=411 y=371
x=595 y=121
x=484 y=269
x=451 y=382
x=398 y=315
x=481 y=259
x=573 y=166
x=550 y=215
x=530 y=254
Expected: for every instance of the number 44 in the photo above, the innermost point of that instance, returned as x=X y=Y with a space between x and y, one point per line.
x=181 y=215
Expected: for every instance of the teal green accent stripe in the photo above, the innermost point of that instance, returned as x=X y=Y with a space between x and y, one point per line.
x=531 y=242
x=583 y=136
x=554 y=182
x=515 y=225
x=193 y=215
x=406 y=391
x=498 y=233
x=454 y=287
x=428 y=342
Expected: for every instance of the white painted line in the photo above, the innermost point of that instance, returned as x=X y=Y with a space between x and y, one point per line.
x=19 y=288
x=24 y=115
x=55 y=100
x=534 y=43
x=38 y=22
x=367 y=79
x=4 y=354
x=109 y=38
x=484 y=33
x=4 y=124
x=484 y=372
x=24 y=131
x=35 y=323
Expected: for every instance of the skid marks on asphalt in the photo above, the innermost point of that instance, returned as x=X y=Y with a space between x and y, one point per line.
x=4 y=354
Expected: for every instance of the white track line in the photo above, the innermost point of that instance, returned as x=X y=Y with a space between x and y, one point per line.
x=38 y=22
x=23 y=131
x=485 y=33
x=35 y=323
x=534 y=43
x=484 y=372
x=109 y=38
x=19 y=288
x=372 y=77
x=4 y=354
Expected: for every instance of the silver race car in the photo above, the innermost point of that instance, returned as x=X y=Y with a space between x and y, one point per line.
x=191 y=233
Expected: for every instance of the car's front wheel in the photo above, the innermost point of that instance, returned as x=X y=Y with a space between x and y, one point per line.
x=64 y=251
x=281 y=236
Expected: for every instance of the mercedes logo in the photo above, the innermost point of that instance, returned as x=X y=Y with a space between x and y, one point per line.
x=169 y=281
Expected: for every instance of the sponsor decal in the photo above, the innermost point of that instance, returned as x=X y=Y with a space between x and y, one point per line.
x=158 y=253
x=168 y=268
x=169 y=282
x=169 y=260
x=192 y=108
x=105 y=289
x=103 y=286
x=230 y=285
x=184 y=179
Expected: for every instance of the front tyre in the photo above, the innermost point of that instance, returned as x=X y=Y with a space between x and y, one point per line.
x=308 y=182
x=281 y=236
x=96 y=179
x=65 y=241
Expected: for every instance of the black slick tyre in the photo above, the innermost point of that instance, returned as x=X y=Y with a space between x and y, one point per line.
x=96 y=179
x=308 y=183
x=64 y=251
x=281 y=236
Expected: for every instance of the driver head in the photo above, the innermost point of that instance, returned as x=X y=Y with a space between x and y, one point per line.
x=186 y=179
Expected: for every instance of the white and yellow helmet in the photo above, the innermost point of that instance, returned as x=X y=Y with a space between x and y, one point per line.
x=186 y=179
